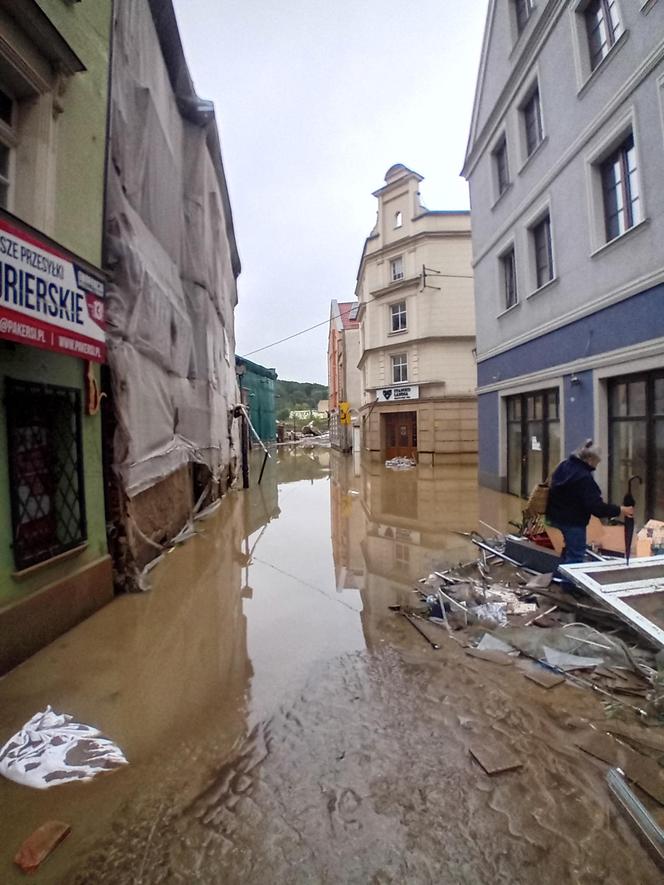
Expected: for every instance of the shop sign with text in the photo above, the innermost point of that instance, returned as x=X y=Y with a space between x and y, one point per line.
x=47 y=300
x=397 y=394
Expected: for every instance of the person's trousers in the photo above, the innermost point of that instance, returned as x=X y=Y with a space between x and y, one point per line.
x=575 y=543
x=575 y=548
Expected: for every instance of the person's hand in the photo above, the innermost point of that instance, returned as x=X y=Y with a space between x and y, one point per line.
x=627 y=511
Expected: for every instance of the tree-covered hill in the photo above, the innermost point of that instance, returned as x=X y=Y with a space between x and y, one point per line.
x=295 y=395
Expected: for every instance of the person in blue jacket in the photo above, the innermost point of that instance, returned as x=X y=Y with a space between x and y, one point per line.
x=574 y=497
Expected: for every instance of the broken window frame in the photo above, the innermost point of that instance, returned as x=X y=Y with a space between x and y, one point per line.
x=584 y=575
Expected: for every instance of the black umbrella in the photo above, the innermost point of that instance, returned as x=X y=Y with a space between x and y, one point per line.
x=628 y=501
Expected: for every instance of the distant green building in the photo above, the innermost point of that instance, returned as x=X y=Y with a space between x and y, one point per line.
x=258 y=393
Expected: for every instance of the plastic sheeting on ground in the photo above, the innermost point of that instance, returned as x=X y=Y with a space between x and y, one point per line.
x=52 y=749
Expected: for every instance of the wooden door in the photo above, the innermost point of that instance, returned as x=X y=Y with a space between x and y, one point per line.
x=400 y=430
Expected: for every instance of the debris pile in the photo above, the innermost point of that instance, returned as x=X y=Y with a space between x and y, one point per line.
x=508 y=615
x=400 y=463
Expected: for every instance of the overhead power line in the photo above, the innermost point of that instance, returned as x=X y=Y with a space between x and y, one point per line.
x=326 y=321
x=294 y=335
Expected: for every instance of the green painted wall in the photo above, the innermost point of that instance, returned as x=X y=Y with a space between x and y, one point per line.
x=260 y=384
x=30 y=364
x=81 y=147
x=80 y=173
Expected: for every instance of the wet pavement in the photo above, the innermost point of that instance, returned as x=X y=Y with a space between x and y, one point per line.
x=283 y=726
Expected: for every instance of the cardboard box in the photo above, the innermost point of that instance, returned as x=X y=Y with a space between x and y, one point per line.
x=651 y=536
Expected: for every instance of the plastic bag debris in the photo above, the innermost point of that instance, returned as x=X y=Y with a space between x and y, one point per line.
x=400 y=464
x=565 y=661
x=492 y=643
x=491 y=613
x=52 y=749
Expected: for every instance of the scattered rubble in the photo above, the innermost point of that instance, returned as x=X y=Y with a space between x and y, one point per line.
x=506 y=613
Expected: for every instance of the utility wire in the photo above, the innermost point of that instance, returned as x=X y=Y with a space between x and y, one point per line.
x=325 y=322
x=294 y=335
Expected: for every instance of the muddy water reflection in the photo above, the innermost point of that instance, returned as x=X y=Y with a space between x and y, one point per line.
x=283 y=726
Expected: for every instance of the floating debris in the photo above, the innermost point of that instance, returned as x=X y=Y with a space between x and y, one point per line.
x=400 y=464
x=52 y=749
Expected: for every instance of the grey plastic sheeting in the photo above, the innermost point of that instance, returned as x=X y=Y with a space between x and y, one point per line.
x=171 y=249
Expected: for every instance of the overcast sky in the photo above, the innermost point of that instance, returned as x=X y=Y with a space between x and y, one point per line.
x=315 y=100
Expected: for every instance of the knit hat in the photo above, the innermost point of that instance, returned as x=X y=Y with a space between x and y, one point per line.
x=589 y=453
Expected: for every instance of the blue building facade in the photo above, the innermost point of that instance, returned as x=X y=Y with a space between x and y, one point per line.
x=565 y=164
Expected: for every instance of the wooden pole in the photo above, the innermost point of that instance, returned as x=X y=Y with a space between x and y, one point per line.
x=245 y=451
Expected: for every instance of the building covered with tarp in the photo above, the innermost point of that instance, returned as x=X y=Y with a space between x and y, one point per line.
x=258 y=387
x=173 y=260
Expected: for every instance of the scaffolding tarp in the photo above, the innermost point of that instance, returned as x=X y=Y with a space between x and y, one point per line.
x=171 y=250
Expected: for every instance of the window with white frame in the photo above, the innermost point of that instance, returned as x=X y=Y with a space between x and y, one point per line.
x=398 y=319
x=522 y=11
x=508 y=273
x=7 y=142
x=398 y=220
x=543 y=251
x=396 y=269
x=603 y=28
x=620 y=189
x=399 y=368
x=531 y=112
x=501 y=166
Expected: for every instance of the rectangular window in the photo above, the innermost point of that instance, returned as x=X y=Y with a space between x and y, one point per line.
x=399 y=368
x=45 y=470
x=502 y=169
x=7 y=139
x=398 y=321
x=541 y=234
x=533 y=439
x=522 y=8
x=603 y=28
x=508 y=265
x=636 y=441
x=5 y=159
x=620 y=189
x=532 y=122
x=396 y=269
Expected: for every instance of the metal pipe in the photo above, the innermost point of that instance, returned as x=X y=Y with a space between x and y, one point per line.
x=484 y=546
x=646 y=825
x=420 y=631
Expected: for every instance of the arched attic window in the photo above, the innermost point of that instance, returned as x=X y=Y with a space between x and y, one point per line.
x=398 y=219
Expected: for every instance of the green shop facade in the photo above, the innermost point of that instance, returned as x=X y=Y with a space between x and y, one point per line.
x=258 y=387
x=54 y=563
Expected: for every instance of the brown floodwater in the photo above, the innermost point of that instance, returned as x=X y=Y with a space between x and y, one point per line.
x=284 y=726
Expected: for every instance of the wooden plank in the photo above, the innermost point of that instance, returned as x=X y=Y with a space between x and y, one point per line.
x=653 y=738
x=495 y=657
x=644 y=772
x=543 y=677
x=493 y=757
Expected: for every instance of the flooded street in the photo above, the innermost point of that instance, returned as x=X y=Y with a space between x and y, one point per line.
x=284 y=726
